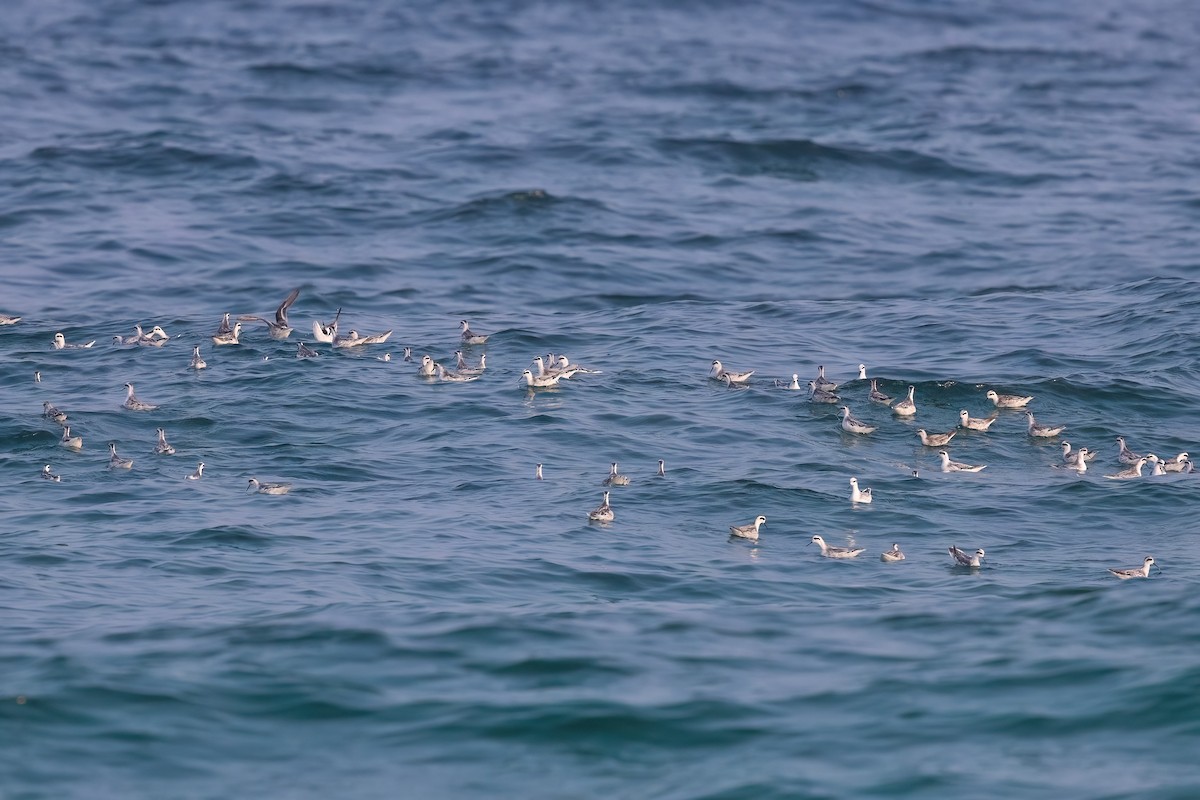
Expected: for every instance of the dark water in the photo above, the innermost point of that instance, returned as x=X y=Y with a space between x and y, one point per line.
x=962 y=196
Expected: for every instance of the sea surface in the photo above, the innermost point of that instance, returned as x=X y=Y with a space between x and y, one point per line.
x=961 y=196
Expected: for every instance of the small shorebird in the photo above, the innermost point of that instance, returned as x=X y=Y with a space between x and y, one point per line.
x=60 y=343
x=1077 y=460
x=862 y=372
x=935 y=439
x=197 y=362
x=662 y=468
x=748 y=531
x=279 y=329
x=133 y=403
x=537 y=473
x=832 y=551
x=877 y=396
x=464 y=368
x=269 y=488
x=852 y=425
x=615 y=478
x=1008 y=400
x=452 y=377
x=198 y=474
x=892 y=555
x=53 y=414
x=223 y=326
x=821 y=381
x=115 y=461
x=539 y=381
x=471 y=337
x=974 y=423
x=1133 y=472
x=304 y=351
x=1071 y=456
x=163 y=448
x=964 y=559
x=564 y=365
x=602 y=512
x=230 y=337
x=1043 y=431
x=1156 y=468
x=794 y=385
x=720 y=373
x=906 y=407
x=50 y=476
x=326 y=333
x=859 y=495
x=71 y=442
x=821 y=395
x=1177 y=464
x=958 y=466
x=1136 y=572
x=1124 y=454
x=5 y=319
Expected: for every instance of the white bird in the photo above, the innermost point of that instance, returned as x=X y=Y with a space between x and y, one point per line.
x=133 y=403
x=794 y=385
x=1136 y=572
x=157 y=337
x=52 y=413
x=1124 y=454
x=877 y=396
x=892 y=555
x=469 y=336
x=5 y=319
x=279 y=329
x=1071 y=456
x=452 y=377
x=60 y=343
x=935 y=439
x=822 y=382
x=720 y=373
x=852 y=425
x=563 y=364
x=832 y=551
x=964 y=559
x=974 y=423
x=1156 y=465
x=231 y=337
x=37 y=376
x=615 y=478
x=384 y=357
x=820 y=395
x=906 y=407
x=1176 y=464
x=50 y=476
x=158 y=333
x=134 y=339
x=1077 y=460
x=408 y=356
x=223 y=326
x=748 y=531
x=304 y=351
x=662 y=468
x=197 y=362
x=539 y=381
x=859 y=495
x=427 y=368
x=1133 y=472
x=163 y=448
x=537 y=473
x=862 y=372
x=1043 y=431
x=198 y=474
x=602 y=512
x=326 y=333
x=268 y=488
x=71 y=442
x=1008 y=400
x=470 y=369
x=115 y=461
x=958 y=466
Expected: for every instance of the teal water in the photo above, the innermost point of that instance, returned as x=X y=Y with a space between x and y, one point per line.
x=961 y=197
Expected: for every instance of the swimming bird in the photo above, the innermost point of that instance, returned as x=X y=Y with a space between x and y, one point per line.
x=158 y=333
x=1136 y=572
x=384 y=357
x=197 y=362
x=1156 y=468
x=198 y=474
x=602 y=512
x=133 y=403
x=129 y=340
x=49 y=476
x=408 y=354
x=563 y=364
x=37 y=376
x=541 y=369
x=1077 y=460
x=427 y=368
x=1008 y=400
x=974 y=423
x=794 y=385
x=115 y=461
x=720 y=373
x=662 y=468
x=1043 y=431
x=279 y=329
x=1124 y=454
x=373 y=338
x=5 y=319
x=892 y=555
x=326 y=333
x=223 y=326
x=268 y=488
x=60 y=343
x=958 y=466
x=52 y=413
x=163 y=448
x=748 y=531
x=615 y=478
x=832 y=551
x=1176 y=464
x=351 y=339
x=859 y=495
x=862 y=372
x=1071 y=456
x=877 y=396
x=1133 y=472
x=452 y=377
x=935 y=439
x=304 y=351
x=470 y=369
x=231 y=337
x=538 y=472
x=469 y=336
x=157 y=337
x=71 y=442
x=852 y=425
x=906 y=407
x=821 y=381
x=539 y=381
x=820 y=395
x=963 y=559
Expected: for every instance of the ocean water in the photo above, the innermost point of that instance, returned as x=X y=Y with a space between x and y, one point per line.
x=960 y=196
